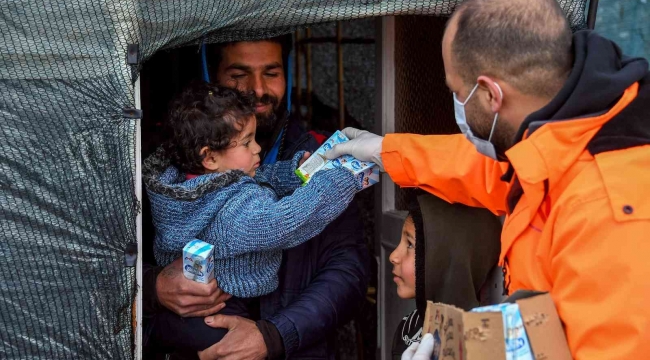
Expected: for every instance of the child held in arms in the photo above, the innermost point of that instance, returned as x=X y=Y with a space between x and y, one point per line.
x=206 y=183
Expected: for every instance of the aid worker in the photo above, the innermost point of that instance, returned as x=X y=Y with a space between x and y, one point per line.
x=556 y=136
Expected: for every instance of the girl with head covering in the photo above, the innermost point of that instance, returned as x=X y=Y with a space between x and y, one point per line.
x=445 y=255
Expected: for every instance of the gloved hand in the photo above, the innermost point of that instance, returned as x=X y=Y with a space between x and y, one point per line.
x=420 y=351
x=363 y=145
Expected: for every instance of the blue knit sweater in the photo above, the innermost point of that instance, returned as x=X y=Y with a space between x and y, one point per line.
x=249 y=221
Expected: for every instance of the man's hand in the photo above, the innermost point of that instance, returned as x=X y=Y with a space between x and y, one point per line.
x=304 y=158
x=243 y=340
x=185 y=297
x=420 y=351
x=363 y=145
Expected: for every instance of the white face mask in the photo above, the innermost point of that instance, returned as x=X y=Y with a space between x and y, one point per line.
x=484 y=147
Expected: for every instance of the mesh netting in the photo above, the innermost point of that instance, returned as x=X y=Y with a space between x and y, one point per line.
x=420 y=67
x=67 y=151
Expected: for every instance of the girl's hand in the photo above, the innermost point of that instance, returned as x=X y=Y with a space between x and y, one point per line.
x=305 y=156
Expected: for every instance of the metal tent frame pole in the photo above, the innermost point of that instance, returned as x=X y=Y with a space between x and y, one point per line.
x=339 y=65
x=591 y=14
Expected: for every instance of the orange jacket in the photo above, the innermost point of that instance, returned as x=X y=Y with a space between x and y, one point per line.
x=581 y=228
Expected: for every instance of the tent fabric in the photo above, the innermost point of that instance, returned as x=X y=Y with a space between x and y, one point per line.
x=68 y=205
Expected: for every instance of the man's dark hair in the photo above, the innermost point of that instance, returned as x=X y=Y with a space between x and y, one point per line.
x=214 y=52
x=526 y=42
x=204 y=115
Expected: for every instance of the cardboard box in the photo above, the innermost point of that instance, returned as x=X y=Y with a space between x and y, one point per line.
x=366 y=173
x=480 y=335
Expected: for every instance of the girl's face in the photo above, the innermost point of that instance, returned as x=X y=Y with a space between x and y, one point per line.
x=403 y=260
x=244 y=154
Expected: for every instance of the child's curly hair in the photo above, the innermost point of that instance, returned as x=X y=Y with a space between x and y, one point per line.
x=204 y=115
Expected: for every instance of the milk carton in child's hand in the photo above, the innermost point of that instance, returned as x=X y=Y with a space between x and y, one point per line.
x=367 y=173
x=198 y=264
x=317 y=160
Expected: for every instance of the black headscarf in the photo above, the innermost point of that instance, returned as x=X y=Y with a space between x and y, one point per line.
x=456 y=247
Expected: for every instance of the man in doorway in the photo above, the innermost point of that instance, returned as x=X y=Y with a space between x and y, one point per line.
x=556 y=136
x=322 y=282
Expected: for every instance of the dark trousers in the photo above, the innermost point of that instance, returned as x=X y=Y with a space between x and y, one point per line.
x=170 y=333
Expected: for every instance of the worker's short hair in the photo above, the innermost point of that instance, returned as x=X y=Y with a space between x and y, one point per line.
x=526 y=42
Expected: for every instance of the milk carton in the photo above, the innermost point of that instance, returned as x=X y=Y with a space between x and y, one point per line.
x=517 y=345
x=366 y=173
x=198 y=262
x=317 y=160
x=368 y=177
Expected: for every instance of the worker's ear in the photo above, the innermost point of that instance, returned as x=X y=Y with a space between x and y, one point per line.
x=211 y=159
x=494 y=93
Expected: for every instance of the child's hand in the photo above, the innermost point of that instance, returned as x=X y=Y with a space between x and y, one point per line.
x=305 y=156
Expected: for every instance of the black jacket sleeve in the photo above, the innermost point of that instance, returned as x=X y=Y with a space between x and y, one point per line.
x=272 y=340
x=336 y=292
x=150 y=304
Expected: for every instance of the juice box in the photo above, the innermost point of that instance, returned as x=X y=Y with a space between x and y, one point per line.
x=198 y=262
x=517 y=345
x=317 y=160
x=367 y=173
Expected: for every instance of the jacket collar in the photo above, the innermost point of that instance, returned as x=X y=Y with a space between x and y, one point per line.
x=161 y=177
x=600 y=74
x=551 y=150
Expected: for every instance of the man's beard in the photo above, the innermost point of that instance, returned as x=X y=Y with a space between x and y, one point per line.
x=268 y=122
x=481 y=123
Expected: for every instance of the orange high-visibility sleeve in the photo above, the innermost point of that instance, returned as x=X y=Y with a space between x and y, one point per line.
x=447 y=166
x=601 y=282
